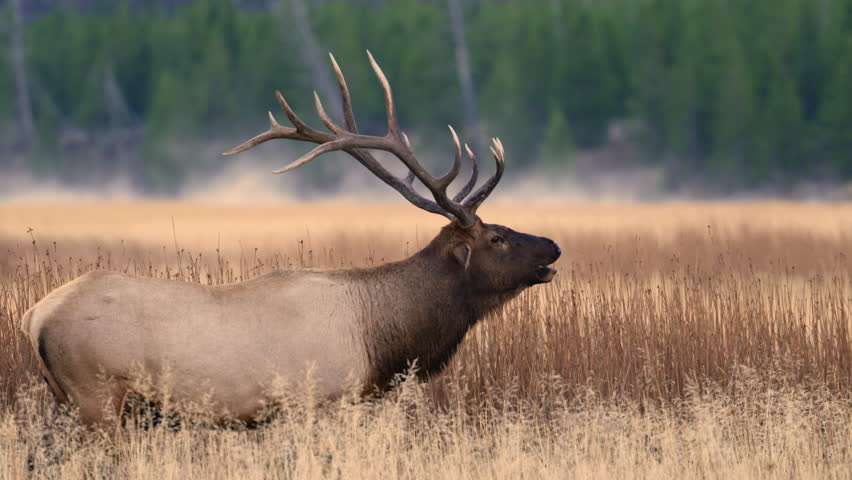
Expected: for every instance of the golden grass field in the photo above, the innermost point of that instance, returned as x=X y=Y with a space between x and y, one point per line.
x=678 y=341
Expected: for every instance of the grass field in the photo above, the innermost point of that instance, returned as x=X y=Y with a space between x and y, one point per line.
x=677 y=341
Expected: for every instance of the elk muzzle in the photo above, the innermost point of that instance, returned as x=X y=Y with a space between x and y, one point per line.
x=545 y=272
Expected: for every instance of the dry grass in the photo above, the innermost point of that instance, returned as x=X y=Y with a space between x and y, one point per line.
x=678 y=340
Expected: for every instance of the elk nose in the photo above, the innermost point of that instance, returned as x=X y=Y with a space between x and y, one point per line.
x=556 y=248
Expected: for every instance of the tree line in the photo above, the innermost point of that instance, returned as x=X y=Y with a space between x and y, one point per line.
x=736 y=94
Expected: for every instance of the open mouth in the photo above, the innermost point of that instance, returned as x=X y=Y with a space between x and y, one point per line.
x=545 y=273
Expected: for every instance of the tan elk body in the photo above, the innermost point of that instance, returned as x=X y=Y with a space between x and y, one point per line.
x=345 y=328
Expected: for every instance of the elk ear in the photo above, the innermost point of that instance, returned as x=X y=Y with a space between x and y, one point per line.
x=462 y=254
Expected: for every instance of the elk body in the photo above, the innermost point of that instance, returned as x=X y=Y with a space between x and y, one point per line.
x=357 y=327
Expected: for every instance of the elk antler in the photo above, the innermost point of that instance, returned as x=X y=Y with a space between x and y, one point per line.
x=460 y=207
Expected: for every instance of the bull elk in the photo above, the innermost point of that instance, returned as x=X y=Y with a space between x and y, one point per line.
x=229 y=342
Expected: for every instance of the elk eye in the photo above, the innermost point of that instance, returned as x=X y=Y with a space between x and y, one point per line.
x=496 y=239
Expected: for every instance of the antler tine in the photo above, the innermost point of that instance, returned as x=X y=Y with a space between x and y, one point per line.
x=275 y=131
x=474 y=176
x=291 y=115
x=348 y=143
x=393 y=127
x=326 y=120
x=445 y=181
x=301 y=132
x=348 y=114
x=473 y=202
x=331 y=146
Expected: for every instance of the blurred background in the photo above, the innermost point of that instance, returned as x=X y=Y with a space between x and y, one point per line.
x=628 y=99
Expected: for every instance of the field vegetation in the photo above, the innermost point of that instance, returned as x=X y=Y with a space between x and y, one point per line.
x=677 y=341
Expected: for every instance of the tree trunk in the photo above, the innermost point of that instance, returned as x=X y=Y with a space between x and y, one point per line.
x=25 y=114
x=120 y=119
x=556 y=6
x=316 y=62
x=471 y=108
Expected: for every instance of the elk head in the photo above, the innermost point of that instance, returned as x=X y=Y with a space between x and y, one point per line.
x=495 y=258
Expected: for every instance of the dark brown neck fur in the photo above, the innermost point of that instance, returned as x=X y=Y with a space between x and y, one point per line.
x=418 y=309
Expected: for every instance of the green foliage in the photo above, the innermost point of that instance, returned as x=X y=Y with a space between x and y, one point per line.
x=737 y=93
x=557 y=144
x=836 y=115
x=732 y=115
x=7 y=84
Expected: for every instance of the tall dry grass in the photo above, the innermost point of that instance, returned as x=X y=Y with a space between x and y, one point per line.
x=677 y=340
x=752 y=432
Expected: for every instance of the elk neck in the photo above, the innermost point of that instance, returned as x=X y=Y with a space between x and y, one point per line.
x=418 y=309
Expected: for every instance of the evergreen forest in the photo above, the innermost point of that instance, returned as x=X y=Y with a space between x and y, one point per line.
x=732 y=95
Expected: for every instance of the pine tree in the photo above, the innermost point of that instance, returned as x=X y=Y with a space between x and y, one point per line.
x=588 y=87
x=557 y=144
x=733 y=115
x=836 y=115
x=780 y=129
